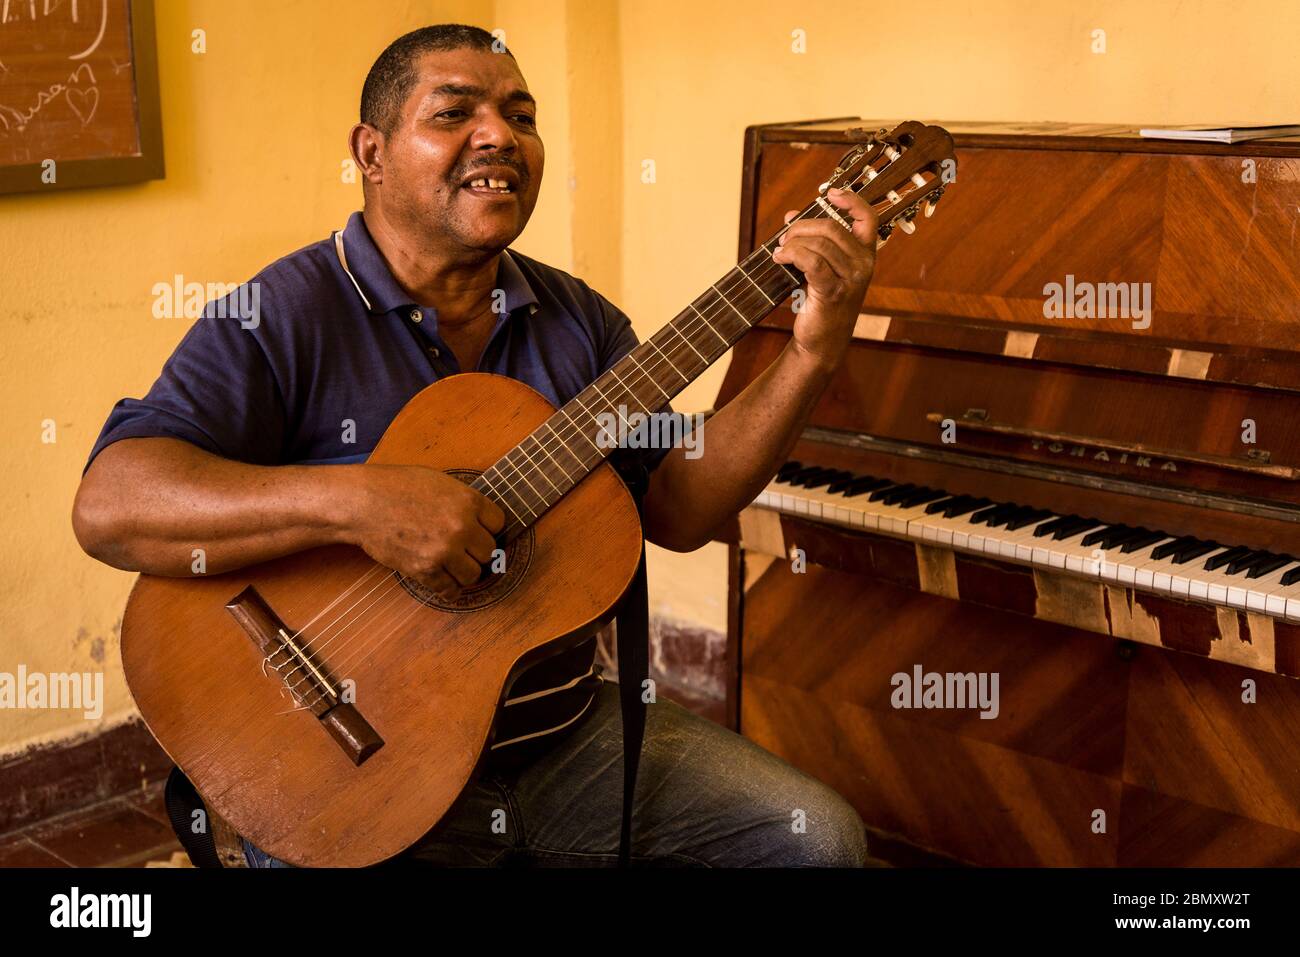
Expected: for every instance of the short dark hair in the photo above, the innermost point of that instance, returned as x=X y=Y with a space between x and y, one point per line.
x=392 y=76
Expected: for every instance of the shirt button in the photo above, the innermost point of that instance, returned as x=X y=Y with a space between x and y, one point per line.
x=416 y=316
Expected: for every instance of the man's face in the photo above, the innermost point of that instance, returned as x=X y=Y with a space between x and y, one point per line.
x=468 y=119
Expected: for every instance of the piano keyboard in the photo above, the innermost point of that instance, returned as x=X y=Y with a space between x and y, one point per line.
x=1148 y=559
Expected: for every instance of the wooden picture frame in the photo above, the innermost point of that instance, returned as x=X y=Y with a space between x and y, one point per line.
x=139 y=165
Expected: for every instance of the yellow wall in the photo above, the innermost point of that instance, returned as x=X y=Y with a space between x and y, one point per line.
x=255 y=134
x=696 y=74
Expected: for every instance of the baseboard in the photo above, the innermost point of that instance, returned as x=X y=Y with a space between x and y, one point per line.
x=53 y=779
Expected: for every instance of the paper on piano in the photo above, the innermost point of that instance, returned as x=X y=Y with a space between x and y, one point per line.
x=1227 y=134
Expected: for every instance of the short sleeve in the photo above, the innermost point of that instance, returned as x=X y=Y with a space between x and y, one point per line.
x=217 y=391
x=620 y=339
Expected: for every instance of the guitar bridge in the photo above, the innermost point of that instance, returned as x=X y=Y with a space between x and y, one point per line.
x=307 y=681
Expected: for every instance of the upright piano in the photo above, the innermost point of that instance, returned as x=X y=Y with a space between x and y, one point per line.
x=1063 y=450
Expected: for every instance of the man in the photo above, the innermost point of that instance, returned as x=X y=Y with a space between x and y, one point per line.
x=251 y=445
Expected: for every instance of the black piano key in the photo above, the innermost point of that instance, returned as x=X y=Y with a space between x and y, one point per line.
x=785 y=471
x=1048 y=527
x=922 y=495
x=1245 y=562
x=1147 y=537
x=1258 y=564
x=1268 y=565
x=888 y=496
x=884 y=490
x=811 y=478
x=999 y=521
x=993 y=512
x=939 y=506
x=865 y=484
x=1223 y=558
x=1195 y=549
x=965 y=502
x=1076 y=526
x=955 y=509
x=1168 y=548
x=834 y=475
x=840 y=484
x=1134 y=534
x=1110 y=536
x=1291 y=577
x=1004 y=516
x=1027 y=518
x=798 y=475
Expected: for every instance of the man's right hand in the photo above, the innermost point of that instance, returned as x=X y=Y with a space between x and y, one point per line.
x=425 y=525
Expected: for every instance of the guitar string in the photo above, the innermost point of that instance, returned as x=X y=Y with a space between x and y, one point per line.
x=314 y=648
x=766 y=264
x=766 y=270
x=814 y=211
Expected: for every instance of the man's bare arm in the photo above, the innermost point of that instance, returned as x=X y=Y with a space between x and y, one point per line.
x=745 y=442
x=145 y=504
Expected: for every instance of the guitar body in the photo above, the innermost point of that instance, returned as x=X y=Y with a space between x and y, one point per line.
x=427 y=679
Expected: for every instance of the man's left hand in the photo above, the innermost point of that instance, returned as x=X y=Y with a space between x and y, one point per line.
x=837 y=265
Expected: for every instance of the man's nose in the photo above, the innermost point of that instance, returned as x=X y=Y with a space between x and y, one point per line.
x=494 y=130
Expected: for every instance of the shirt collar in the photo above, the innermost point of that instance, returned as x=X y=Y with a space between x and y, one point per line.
x=374 y=282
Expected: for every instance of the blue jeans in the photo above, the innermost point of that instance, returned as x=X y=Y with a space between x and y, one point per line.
x=705 y=797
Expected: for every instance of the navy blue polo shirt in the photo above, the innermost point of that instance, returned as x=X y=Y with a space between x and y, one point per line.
x=334 y=352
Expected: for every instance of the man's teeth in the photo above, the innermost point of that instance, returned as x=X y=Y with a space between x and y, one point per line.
x=498 y=184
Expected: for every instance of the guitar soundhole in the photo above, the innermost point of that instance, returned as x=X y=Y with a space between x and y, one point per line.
x=492 y=586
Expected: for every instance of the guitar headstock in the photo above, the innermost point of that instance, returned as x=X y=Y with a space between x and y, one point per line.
x=901 y=173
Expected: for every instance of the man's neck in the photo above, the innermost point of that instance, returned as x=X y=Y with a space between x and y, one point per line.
x=460 y=288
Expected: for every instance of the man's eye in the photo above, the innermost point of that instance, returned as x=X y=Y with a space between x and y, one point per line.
x=526 y=118
x=448 y=113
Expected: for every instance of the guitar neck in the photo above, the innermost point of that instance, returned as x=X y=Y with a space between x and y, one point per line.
x=555 y=457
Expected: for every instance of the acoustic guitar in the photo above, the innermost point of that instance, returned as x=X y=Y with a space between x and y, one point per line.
x=332 y=710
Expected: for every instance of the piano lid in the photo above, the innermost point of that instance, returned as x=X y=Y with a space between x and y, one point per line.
x=1082 y=234
x=1083 y=302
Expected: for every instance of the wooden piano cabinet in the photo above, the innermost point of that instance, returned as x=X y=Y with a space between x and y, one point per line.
x=1102 y=752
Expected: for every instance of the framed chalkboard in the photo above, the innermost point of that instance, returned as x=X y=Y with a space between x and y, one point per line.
x=78 y=94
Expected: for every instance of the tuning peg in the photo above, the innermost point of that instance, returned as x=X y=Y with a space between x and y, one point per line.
x=884 y=232
x=907 y=226
x=824 y=187
x=918 y=179
x=931 y=203
x=893 y=197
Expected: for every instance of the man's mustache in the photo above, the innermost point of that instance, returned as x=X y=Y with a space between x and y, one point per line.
x=519 y=168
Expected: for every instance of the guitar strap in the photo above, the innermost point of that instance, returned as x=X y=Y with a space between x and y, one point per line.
x=631 y=627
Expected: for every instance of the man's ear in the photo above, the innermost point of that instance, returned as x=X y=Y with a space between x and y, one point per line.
x=367 y=145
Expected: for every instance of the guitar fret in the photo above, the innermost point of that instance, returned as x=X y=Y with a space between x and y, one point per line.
x=756 y=286
x=728 y=302
x=632 y=356
x=685 y=378
x=673 y=327
x=711 y=329
x=534 y=464
x=564 y=445
x=645 y=367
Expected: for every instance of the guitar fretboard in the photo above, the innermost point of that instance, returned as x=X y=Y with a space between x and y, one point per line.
x=537 y=473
